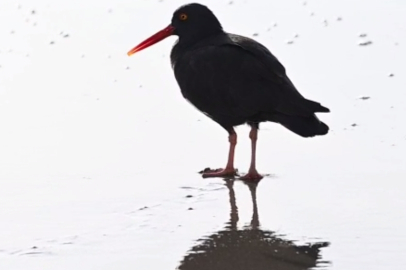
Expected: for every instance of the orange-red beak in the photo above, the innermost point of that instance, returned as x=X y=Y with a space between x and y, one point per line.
x=164 y=33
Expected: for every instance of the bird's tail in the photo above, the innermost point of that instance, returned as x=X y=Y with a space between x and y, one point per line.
x=309 y=126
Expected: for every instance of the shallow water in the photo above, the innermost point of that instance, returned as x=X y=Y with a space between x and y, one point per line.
x=250 y=246
x=100 y=153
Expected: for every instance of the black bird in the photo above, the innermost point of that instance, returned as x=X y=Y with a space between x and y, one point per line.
x=234 y=80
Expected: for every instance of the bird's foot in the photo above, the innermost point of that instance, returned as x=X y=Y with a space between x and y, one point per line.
x=227 y=172
x=252 y=176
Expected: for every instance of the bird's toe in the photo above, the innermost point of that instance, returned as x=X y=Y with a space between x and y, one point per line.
x=252 y=177
x=227 y=172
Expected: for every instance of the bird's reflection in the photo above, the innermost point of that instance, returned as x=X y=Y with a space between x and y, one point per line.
x=250 y=248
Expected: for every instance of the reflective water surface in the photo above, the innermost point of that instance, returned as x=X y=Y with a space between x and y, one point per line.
x=251 y=247
x=99 y=152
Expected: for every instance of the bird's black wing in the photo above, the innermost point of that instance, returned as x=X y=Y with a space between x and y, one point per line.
x=268 y=67
x=230 y=78
x=276 y=71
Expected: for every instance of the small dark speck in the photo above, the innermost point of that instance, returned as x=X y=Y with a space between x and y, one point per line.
x=393 y=144
x=391 y=75
x=98 y=99
x=255 y=34
x=289 y=42
x=296 y=36
x=109 y=10
x=127 y=68
x=354 y=125
x=396 y=44
x=140 y=86
x=66 y=36
x=143 y=208
x=190 y=208
x=339 y=19
x=231 y=2
x=33 y=12
x=365 y=98
x=304 y=3
x=12 y=32
x=365 y=43
x=34 y=247
x=269 y=29
x=362 y=35
x=275 y=25
x=312 y=14
x=82 y=56
x=391 y=107
x=52 y=42
x=325 y=22
x=189 y=196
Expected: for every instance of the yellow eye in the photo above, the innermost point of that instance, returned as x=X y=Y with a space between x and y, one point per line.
x=183 y=17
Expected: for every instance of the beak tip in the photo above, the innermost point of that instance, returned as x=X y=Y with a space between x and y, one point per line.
x=152 y=40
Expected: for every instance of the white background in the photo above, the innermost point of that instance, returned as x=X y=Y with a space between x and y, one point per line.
x=89 y=136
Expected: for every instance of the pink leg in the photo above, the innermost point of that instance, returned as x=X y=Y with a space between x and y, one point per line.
x=229 y=169
x=252 y=174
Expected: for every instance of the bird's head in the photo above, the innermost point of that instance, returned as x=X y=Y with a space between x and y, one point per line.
x=191 y=23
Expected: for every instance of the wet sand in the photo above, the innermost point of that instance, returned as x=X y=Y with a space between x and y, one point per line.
x=100 y=154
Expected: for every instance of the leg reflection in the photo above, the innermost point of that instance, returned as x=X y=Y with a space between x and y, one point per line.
x=253 y=248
